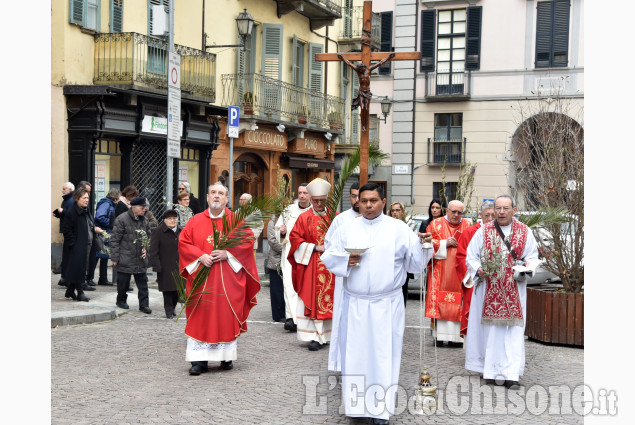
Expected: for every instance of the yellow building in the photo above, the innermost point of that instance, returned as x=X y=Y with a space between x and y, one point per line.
x=109 y=77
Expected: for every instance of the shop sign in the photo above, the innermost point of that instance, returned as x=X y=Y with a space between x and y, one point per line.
x=309 y=145
x=265 y=139
x=157 y=125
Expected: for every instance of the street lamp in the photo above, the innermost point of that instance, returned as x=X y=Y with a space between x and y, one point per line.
x=385 y=107
x=245 y=24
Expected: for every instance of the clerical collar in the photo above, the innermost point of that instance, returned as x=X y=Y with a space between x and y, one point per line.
x=222 y=213
x=302 y=208
x=375 y=220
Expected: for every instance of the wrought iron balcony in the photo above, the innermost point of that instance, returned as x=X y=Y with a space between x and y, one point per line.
x=264 y=97
x=449 y=152
x=319 y=12
x=135 y=59
x=448 y=86
x=351 y=33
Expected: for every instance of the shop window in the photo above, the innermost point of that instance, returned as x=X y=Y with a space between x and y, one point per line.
x=189 y=168
x=107 y=168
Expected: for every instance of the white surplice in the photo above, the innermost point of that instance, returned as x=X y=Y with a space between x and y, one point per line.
x=372 y=314
x=288 y=218
x=496 y=351
x=335 y=361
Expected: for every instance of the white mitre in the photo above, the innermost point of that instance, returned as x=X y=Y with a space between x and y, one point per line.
x=318 y=187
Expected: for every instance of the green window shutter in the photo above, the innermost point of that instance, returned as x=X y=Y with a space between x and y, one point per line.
x=560 y=53
x=348 y=19
x=272 y=50
x=428 y=32
x=355 y=124
x=116 y=15
x=355 y=84
x=316 y=70
x=386 y=39
x=77 y=12
x=543 y=34
x=473 y=37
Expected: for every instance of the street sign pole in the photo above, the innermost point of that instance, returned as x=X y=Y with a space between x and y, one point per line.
x=174 y=107
x=233 y=113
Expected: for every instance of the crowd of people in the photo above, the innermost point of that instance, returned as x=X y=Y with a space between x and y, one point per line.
x=336 y=280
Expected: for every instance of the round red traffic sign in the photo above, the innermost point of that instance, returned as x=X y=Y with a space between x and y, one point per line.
x=174 y=75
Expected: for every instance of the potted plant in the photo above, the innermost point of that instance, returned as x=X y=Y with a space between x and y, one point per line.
x=305 y=113
x=335 y=119
x=248 y=103
x=548 y=166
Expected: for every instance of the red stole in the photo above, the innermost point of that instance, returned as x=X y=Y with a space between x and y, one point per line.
x=313 y=282
x=461 y=270
x=501 y=304
x=443 y=300
x=221 y=314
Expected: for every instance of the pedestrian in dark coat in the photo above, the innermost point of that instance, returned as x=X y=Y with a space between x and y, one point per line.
x=105 y=218
x=127 y=194
x=79 y=233
x=128 y=255
x=67 y=201
x=276 y=287
x=164 y=255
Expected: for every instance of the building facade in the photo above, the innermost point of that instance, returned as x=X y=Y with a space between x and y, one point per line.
x=483 y=62
x=109 y=113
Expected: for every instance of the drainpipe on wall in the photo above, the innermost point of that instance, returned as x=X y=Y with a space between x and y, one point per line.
x=414 y=111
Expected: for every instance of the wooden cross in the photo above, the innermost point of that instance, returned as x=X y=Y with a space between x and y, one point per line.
x=363 y=72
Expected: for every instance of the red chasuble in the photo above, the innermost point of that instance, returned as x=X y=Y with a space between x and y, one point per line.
x=220 y=316
x=461 y=270
x=313 y=282
x=445 y=284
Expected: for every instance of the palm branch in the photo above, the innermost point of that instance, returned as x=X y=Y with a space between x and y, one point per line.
x=236 y=230
x=544 y=217
x=349 y=166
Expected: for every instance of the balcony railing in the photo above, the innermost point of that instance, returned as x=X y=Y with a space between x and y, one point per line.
x=261 y=96
x=136 y=59
x=454 y=84
x=446 y=151
x=352 y=28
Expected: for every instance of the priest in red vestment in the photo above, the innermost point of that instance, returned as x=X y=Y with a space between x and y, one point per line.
x=222 y=304
x=443 y=301
x=487 y=214
x=311 y=280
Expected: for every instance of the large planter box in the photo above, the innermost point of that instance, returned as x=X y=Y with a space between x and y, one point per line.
x=555 y=317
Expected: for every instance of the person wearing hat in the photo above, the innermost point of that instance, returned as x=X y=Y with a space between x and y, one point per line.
x=164 y=255
x=311 y=280
x=128 y=255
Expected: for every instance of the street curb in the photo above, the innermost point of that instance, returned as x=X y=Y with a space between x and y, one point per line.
x=76 y=317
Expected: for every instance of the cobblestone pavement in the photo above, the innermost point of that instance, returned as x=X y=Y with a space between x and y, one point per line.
x=132 y=370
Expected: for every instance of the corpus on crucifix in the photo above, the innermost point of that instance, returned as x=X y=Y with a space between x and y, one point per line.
x=364 y=70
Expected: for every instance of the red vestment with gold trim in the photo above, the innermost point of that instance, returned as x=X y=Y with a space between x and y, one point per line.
x=445 y=285
x=313 y=282
x=220 y=315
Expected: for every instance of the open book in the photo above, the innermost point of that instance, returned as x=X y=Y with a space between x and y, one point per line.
x=531 y=267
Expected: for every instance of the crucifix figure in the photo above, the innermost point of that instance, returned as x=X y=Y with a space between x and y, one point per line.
x=364 y=70
x=364 y=95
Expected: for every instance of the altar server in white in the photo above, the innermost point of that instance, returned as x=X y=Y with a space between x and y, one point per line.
x=495 y=340
x=335 y=362
x=372 y=314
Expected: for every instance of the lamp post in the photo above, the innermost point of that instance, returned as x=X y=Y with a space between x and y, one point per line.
x=385 y=107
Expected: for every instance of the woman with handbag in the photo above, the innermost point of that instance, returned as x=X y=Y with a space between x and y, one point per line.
x=79 y=236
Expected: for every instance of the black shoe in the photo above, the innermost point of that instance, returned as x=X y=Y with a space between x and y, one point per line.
x=130 y=289
x=512 y=385
x=104 y=282
x=123 y=304
x=145 y=310
x=440 y=343
x=62 y=282
x=86 y=287
x=290 y=326
x=91 y=282
x=314 y=346
x=82 y=297
x=197 y=370
x=70 y=293
x=377 y=421
x=453 y=344
x=495 y=382
x=226 y=365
